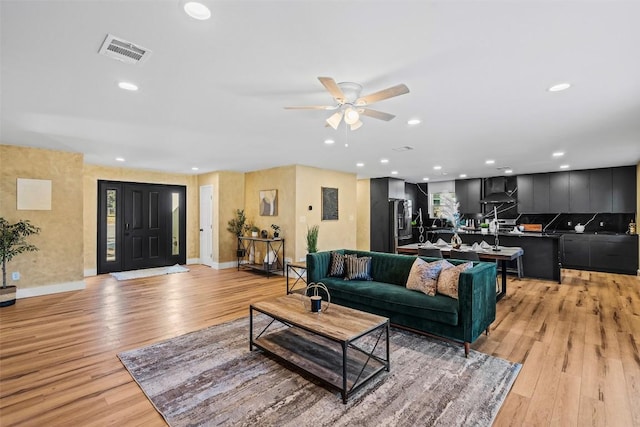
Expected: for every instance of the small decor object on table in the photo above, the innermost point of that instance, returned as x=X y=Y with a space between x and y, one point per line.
x=276 y=231
x=254 y=230
x=484 y=228
x=449 y=210
x=13 y=242
x=315 y=300
x=264 y=234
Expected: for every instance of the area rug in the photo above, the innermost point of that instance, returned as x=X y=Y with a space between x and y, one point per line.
x=209 y=377
x=149 y=272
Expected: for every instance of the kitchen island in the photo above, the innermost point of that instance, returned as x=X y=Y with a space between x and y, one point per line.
x=541 y=258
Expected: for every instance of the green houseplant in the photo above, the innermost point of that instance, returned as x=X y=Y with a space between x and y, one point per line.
x=276 y=230
x=13 y=241
x=312 y=239
x=238 y=226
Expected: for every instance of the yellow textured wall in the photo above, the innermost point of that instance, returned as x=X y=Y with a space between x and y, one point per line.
x=282 y=179
x=363 y=237
x=60 y=243
x=638 y=209
x=332 y=234
x=93 y=173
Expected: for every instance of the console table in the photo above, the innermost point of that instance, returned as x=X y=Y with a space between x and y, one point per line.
x=258 y=248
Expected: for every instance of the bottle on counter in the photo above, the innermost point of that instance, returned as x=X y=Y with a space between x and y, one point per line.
x=632 y=227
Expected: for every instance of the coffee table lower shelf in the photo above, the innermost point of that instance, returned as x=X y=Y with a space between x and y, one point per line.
x=324 y=358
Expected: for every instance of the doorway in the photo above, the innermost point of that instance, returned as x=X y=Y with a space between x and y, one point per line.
x=140 y=225
x=206 y=225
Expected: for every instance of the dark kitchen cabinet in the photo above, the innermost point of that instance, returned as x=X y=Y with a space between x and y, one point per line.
x=525 y=194
x=600 y=195
x=541 y=193
x=559 y=192
x=624 y=189
x=579 y=192
x=468 y=195
x=575 y=251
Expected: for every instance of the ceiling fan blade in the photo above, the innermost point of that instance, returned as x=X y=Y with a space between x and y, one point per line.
x=334 y=120
x=376 y=114
x=397 y=90
x=312 y=107
x=333 y=89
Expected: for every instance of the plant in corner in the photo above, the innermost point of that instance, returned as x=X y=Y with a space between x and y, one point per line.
x=13 y=242
x=238 y=226
x=312 y=239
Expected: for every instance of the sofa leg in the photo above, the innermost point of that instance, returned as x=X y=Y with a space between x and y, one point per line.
x=486 y=332
x=466 y=349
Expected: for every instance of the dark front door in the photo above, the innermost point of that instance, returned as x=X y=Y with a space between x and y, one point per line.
x=140 y=225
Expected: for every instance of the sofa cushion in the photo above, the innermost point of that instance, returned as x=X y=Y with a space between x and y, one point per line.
x=336 y=266
x=424 y=276
x=357 y=268
x=449 y=278
x=385 y=296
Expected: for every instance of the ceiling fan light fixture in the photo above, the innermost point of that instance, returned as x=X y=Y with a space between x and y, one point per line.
x=334 y=120
x=356 y=125
x=351 y=116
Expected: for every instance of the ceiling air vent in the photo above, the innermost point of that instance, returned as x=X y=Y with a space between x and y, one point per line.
x=124 y=51
x=404 y=148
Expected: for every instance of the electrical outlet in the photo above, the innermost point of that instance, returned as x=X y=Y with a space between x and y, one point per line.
x=601 y=223
x=15 y=276
x=569 y=223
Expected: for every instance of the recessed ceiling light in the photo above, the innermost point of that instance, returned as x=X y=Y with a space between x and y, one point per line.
x=197 y=10
x=119 y=159
x=346 y=145
x=559 y=87
x=194 y=168
x=489 y=162
x=437 y=167
x=394 y=172
x=329 y=141
x=384 y=160
x=508 y=171
x=127 y=86
x=558 y=154
x=414 y=122
x=564 y=166
x=463 y=175
x=425 y=179
x=360 y=164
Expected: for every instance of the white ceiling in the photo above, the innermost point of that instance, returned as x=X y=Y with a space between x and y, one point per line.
x=212 y=92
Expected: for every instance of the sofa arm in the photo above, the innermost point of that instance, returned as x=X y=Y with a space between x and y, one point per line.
x=317 y=266
x=477 y=299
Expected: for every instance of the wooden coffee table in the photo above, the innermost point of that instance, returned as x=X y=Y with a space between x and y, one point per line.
x=330 y=346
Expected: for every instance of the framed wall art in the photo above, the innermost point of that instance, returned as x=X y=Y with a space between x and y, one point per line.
x=269 y=202
x=329 y=204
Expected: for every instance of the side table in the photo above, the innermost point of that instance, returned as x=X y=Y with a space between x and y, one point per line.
x=299 y=270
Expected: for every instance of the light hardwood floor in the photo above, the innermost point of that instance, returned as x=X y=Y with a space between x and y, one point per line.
x=578 y=343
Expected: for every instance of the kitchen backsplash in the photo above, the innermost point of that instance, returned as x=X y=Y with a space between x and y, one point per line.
x=615 y=223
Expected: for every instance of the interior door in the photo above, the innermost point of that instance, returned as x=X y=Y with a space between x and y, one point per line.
x=140 y=225
x=206 y=225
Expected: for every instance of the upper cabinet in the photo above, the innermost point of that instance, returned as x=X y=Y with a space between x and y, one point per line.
x=533 y=193
x=606 y=190
x=624 y=189
x=468 y=195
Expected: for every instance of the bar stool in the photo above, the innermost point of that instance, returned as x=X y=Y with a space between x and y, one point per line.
x=465 y=255
x=430 y=252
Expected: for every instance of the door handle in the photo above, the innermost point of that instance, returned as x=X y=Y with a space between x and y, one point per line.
x=201 y=229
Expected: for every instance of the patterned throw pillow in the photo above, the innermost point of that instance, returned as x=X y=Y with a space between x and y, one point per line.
x=424 y=276
x=357 y=268
x=449 y=277
x=336 y=266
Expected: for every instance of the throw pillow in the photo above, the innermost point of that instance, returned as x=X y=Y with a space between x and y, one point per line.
x=357 y=268
x=424 y=276
x=336 y=266
x=449 y=277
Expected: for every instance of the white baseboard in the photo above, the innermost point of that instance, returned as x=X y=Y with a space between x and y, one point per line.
x=223 y=265
x=50 y=289
x=193 y=261
x=90 y=272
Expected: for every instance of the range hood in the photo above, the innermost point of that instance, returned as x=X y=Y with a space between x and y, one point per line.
x=497 y=191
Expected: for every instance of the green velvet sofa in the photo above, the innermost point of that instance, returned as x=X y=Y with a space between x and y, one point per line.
x=462 y=320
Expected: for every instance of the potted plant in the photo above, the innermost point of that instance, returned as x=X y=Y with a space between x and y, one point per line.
x=254 y=230
x=238 y=226
x=276 y=231
x=484 y=228
x=312 y=239
x=13 y=242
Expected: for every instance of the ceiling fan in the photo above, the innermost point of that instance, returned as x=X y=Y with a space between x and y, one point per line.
x=351 y=105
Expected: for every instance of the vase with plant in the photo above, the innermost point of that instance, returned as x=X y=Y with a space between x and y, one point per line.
x=276 y=231
x=312 y=239
x=254 y=230
x=238 y=226
x=13 y=241
x=484 y=228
